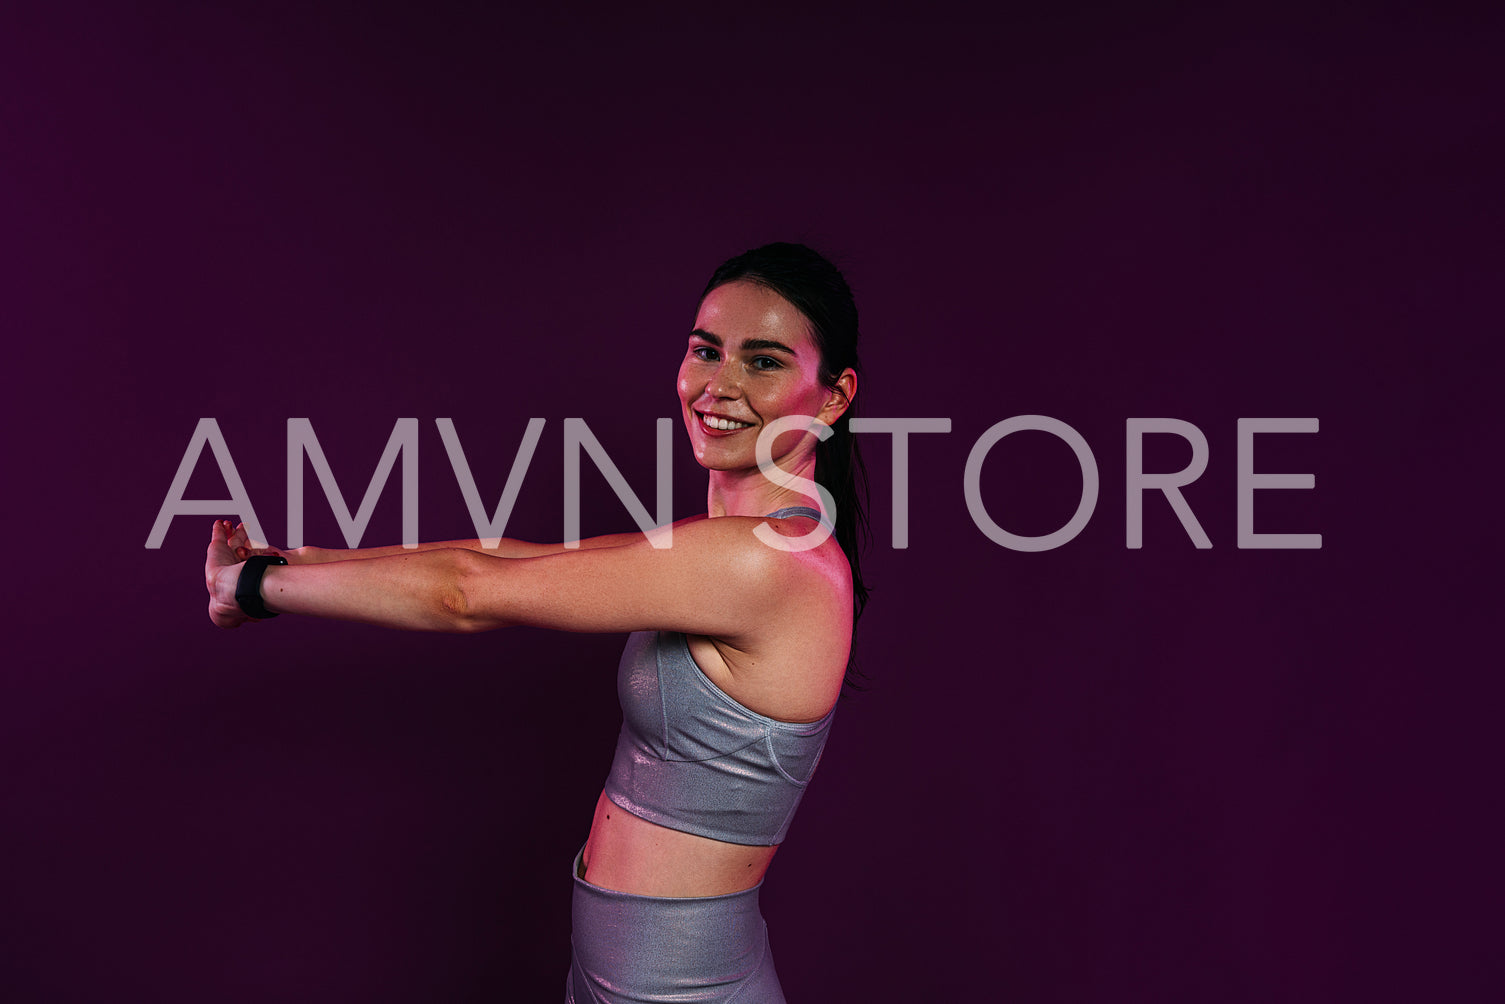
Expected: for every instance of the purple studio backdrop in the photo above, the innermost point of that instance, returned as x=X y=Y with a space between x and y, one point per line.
x=1090 y=773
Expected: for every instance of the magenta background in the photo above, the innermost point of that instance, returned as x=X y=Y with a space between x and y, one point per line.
x=1091 y=774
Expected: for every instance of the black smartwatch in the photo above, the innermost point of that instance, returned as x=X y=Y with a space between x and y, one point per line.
x=248 y=586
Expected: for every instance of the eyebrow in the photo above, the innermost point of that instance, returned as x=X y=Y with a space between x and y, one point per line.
x=750 y=345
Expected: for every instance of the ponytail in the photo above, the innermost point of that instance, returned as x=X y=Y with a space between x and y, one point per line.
x=820 y=292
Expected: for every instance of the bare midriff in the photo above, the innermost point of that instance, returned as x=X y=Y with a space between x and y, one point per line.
x=630 y=854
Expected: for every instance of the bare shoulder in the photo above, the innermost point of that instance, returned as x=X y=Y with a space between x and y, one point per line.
x=791 y=662
x=764 y=553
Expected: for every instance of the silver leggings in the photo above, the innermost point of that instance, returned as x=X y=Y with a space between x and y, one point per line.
x=629 y=949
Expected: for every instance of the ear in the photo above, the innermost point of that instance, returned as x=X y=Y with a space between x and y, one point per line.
x=840 y=398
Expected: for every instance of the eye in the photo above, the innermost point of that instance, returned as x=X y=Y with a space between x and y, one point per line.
x=765 y=363
x=705 y=353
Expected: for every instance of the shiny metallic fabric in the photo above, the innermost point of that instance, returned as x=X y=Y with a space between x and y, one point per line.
x=653 y=950
x=691 y=758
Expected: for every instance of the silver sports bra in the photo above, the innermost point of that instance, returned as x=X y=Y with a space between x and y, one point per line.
x=691 y=758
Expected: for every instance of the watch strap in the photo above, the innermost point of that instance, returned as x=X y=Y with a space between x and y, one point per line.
x=248 y=585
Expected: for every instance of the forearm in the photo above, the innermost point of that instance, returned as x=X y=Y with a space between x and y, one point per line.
x=506 y=548
x=415 y=591
x=310 y=555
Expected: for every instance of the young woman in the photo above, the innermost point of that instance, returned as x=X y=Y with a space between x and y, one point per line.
x=742 y=632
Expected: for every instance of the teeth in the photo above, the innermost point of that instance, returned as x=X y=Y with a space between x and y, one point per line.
x=724 y=424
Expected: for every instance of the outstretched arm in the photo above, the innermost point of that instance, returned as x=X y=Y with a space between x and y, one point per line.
x=717 y=579
x=404 y=591
x=506 y=547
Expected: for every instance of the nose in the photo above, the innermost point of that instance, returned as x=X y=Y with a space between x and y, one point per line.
x=723 y=383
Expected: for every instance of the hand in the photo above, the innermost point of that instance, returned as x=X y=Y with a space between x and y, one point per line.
x=241 y=543
x=221 y=572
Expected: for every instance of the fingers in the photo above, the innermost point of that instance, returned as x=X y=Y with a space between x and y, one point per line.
x=219 y=579
x=218 y=553
x=238 y=542
x=219 y=534
x=257 y=546
x=244 y=547
x=235 y=536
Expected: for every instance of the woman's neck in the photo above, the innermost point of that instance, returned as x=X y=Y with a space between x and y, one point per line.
x=751 y=493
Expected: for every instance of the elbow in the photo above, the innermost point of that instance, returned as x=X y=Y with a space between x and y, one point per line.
x=460 y=608
x=455 y=609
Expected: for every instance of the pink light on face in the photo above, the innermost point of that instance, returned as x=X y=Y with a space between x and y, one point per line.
x=751 y=360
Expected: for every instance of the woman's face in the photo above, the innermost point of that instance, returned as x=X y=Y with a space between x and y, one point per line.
x=751 y=360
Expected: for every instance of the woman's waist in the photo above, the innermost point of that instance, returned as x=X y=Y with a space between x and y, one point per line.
x=627 y=853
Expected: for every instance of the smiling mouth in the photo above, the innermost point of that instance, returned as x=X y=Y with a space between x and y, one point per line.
x=722 y=424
